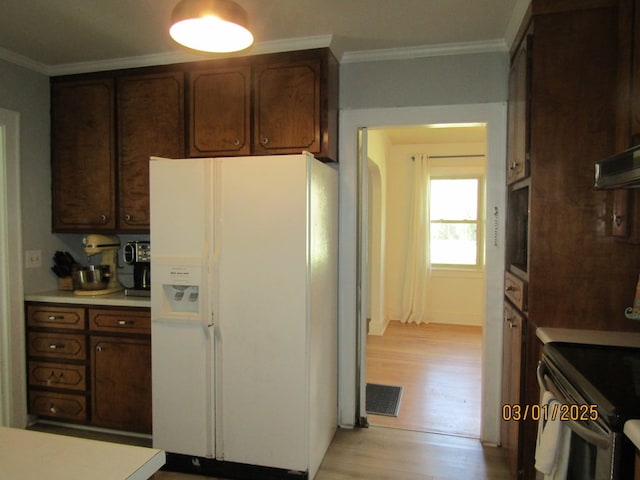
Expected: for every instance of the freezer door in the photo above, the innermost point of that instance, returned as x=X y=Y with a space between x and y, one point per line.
x=181 y=306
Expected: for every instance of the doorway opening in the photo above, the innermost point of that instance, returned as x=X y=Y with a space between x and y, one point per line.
x=352 y=314
x=424 y=325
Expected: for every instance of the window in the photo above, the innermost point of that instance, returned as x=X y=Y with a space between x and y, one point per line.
x=454 y=222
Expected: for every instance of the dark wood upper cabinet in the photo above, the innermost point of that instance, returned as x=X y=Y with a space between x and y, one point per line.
x=83 y=155
x=267 y=105
x=518 y=111
x=295 y=104
x=106 y=126
x=220 y=111
x=150 y=111
x=287 y=107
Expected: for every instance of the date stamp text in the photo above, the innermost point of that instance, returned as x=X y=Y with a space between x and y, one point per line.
x=555 y=411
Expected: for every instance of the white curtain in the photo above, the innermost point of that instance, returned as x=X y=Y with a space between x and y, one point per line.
x=417 y=270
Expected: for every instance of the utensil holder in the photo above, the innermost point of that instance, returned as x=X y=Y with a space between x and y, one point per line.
x=65 y=283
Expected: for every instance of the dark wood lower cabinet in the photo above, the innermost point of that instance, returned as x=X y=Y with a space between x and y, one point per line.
x=121 y=383
x=90 y=365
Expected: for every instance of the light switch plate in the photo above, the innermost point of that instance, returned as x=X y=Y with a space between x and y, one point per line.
x=33 y=258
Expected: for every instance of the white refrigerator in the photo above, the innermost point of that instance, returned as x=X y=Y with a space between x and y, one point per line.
x=244 y=309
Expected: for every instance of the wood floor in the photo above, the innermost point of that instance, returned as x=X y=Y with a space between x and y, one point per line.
x=439 y=368
x=379 y=453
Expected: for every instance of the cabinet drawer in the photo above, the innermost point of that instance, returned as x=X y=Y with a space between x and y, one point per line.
x=55 y=317
x=58 y=375
x=57 y=345
x=515 y=290
x=58 y=405
x=120 y=321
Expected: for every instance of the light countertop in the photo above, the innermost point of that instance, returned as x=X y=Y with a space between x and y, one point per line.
x=118 y=299
x=25 y=455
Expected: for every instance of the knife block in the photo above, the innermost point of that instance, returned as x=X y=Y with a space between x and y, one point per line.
x=65 y=283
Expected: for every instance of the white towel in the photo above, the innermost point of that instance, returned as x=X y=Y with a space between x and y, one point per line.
x=554 y=438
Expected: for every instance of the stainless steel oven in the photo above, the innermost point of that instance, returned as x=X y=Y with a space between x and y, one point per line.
x=598 y=389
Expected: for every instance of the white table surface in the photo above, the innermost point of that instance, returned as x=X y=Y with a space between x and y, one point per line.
x=29 y=455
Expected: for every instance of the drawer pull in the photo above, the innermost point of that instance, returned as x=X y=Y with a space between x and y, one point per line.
x=511 y=288
x=51 y=318
x=53 y=409
x=98 y=348
x=53 y=379
x=55 y=346
x=125 y=322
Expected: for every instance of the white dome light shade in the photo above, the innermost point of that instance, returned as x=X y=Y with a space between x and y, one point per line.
x=219 y=26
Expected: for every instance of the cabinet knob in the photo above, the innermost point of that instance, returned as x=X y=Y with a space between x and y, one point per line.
x=54 y=317
x=127 y=217
x=52 y=408
x=511 y=288
x=236 y=142
x=98 y=348
x=103 y=218
x=514 y=166
x=55 y=346
x=265 y=140
x=125 y=322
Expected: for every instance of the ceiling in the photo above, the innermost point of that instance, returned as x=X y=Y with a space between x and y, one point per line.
x=72 y=36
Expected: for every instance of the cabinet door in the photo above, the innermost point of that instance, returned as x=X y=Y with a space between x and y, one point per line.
x=517 y=144
x=287 y=106
x=121 y=383
x=219 y=112
x=511 y=373
x=150 y=123
x=83 y=170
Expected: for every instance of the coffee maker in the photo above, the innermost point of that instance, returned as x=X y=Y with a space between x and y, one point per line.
x=138 y=254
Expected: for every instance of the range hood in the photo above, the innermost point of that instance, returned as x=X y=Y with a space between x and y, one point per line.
x=619 y=171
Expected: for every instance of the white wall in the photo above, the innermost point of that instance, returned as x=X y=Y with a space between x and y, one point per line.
x=377 y=152
x=453 y=296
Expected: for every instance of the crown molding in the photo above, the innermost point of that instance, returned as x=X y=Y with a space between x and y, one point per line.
x=424 y=51
x=23 y=61
x=182 y=56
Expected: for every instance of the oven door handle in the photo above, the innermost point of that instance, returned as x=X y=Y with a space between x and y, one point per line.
x=600 y=440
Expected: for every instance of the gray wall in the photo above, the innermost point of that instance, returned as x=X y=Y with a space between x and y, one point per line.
x=27 y=92
x=439 y=80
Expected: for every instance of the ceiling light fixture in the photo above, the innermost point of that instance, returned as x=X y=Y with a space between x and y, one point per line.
x=219 y=26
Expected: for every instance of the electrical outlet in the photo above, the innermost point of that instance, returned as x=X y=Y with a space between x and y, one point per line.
x=33 y=258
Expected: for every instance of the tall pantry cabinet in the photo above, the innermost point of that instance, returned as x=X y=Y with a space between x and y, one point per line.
x=563 y=264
